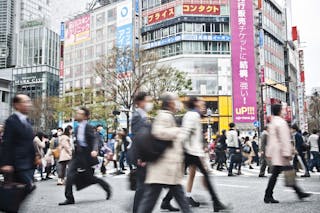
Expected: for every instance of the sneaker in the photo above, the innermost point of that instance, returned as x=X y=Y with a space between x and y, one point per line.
x=192 y=202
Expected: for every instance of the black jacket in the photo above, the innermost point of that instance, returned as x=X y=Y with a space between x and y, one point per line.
x=92 y=143
x=18 y=147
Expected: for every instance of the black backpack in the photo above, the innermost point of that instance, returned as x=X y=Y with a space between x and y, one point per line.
x=150 y=148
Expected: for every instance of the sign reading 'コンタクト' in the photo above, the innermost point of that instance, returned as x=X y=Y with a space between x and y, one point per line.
x=161 y=15
x=243 y=66
x=203 y=9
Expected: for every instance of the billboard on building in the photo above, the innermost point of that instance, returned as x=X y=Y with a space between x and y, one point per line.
x=77 y=30
x=161 y=15
x=243 y=64
x=201 y=9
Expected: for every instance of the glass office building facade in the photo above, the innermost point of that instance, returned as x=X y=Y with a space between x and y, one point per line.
x=193 y=36
x=7 y=33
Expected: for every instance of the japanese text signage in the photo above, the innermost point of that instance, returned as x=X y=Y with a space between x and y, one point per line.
x=202 y=9
x=243 y=66
x=78 y=30
x=161 y=15
x=124 y=33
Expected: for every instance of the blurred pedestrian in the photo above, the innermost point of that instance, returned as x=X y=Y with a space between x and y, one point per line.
x=18 y=151
x=167 y=171
x=1 y=133
x=126 y=142
x=220 y=150
x=39 y=144
x=255 y=148
x=263 y=158
x=234 y=149
x=280 y=151
x=65 y=148
x=101 y=142
x=248 y=152
x=84 y=158
x=143 y=105
x=195 y=148
x=314 y=148
x=301 y=148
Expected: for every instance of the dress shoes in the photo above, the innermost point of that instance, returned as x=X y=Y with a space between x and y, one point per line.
x=167 y=206
x=270 y=200
x=305 y=175
x=303 y=195
x=66 y=202
x=219 y=207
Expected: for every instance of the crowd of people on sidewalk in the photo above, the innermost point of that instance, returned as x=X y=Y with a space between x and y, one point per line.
x=158 y=153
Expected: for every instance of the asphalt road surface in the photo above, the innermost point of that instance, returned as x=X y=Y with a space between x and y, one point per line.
x=245 y=193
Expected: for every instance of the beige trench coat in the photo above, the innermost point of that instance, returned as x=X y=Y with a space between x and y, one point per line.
x=65 y=148
x=279 y=147
x=168 y=169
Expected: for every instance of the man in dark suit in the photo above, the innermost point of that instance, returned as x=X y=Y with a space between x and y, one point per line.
x=84 y=158
x=18 y=152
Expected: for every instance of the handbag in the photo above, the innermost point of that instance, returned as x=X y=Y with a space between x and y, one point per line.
x=289 y=176
x=37 y=160
x=56 y=153
x=11 y=196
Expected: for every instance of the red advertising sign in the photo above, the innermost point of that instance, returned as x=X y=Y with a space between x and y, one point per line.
x=61 y=69
x=161 y=15
x=202 y=9
x=78 y=30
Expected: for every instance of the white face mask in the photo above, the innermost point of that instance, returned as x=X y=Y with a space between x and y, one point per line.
x=148 y=107
x=178 y=105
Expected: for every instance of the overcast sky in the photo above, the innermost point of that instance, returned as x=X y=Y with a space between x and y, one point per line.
x=305 y=14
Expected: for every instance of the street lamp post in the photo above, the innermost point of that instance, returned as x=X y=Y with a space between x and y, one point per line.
x=209 y=113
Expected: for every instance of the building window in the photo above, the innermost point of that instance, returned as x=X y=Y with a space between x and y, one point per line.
x=4 y=97
x=100 y=19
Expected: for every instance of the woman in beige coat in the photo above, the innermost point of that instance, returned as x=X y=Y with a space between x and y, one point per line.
x=65 y=148
x=280 y=151
x=168 y=169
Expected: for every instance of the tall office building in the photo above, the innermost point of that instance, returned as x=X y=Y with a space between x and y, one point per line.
x=194 y=37
x=88 y=37
x=30 y=10
x=7 y=33
x=271 y=34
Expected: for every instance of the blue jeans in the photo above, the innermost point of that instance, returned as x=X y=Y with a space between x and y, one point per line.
x=315 y=162
x=124 y=157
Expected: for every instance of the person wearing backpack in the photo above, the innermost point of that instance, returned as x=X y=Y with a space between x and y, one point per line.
x=167 y=170
x=248 y=151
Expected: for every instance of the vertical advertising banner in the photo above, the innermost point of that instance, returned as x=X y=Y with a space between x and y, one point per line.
x=243 y=64
x=124 y=34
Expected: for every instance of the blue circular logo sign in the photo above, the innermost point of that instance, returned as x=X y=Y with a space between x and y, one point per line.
x=124 y=11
